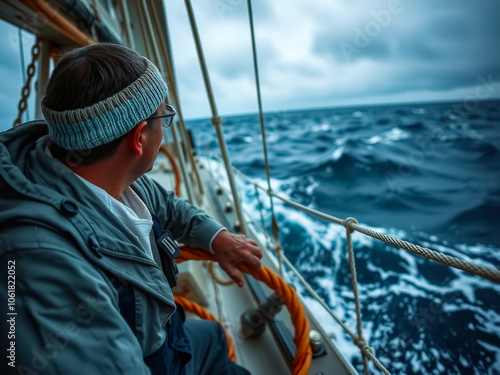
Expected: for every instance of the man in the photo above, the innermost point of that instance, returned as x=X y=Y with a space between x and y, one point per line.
x=83 y=229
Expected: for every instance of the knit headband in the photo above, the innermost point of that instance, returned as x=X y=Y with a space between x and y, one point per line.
x=109 y=119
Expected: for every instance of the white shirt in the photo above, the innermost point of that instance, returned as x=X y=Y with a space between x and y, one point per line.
x=131 y=211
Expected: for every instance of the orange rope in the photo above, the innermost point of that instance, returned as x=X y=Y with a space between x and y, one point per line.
x=303 y=355
x=204 y=314
x=175 y=168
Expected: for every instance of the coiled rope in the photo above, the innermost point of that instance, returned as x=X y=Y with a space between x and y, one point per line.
x=303 y=354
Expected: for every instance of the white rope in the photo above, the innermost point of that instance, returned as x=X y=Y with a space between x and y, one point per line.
x=361 y=343
x=216 y=120
x=366 y=350
x=490 y=273
x=351 y=225
x=354 y=287
x=464 y=265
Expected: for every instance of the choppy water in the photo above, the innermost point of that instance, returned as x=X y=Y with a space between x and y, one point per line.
x=427 y=173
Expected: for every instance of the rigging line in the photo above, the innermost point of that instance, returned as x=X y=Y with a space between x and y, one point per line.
x=490 y=273
x=366 y=350
x=141 y=18
x=126 y=24
x=167 y=56
x=261 y=211
x=160 y=63
x=21 y=54
x=216 y=120
x=354 y=287
x=356 y=340
x=259 y=98
x=274 y=223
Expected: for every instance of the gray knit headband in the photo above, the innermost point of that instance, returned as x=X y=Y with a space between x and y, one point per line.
x=109 y=119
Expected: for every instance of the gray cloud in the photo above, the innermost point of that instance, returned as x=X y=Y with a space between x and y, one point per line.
x=423 y=47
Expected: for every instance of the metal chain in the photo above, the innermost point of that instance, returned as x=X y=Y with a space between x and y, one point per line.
x=25 y=92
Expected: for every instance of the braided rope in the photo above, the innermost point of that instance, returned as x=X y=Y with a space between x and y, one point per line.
x=303 y=354
x=490 y=273
x=204 y=314
x=486 y=272
x=366 y=350
x=354 y=287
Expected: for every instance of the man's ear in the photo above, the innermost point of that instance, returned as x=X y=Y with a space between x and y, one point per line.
x=136 y=138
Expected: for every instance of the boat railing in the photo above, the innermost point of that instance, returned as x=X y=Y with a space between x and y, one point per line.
x=162 y=55
x=351 y=225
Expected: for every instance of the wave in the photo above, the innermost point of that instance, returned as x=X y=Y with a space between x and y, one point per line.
x=412 y=307
x=414 y=126
x=405 y=172
x=476 y=222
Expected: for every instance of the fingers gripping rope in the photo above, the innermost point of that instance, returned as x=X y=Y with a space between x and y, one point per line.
x=303 y=355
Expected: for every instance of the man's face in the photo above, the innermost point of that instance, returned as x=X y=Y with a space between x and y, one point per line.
x=154 y=139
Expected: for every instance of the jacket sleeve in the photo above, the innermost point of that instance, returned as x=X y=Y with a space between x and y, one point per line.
x=188 y=224
x=66 y=314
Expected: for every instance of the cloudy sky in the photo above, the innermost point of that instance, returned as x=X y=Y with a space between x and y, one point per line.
x=320 y=53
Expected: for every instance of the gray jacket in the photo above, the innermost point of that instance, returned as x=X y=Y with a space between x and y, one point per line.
x=65 y=248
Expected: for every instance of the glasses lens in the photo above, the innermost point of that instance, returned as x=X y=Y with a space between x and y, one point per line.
x=167 y=121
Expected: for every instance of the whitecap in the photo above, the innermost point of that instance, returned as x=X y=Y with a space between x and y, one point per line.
x=337 y=154
x=396 y=134
x=373 y=140
x=419 y=111
x=324 y=127
x=389 y=136
x=273 y=138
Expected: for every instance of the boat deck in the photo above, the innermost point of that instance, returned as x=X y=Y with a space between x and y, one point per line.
x=259 y=355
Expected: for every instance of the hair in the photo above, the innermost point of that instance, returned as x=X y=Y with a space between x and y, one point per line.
x=84 y=77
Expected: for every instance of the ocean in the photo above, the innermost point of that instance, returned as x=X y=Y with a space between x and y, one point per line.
x=425 y=173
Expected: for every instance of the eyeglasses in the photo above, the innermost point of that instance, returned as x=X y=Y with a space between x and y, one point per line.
x=166 y=117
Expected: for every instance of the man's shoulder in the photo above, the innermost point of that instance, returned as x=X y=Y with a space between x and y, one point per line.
x=148 y=190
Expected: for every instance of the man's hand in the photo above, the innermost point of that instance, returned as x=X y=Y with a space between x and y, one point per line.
x=231 y=249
